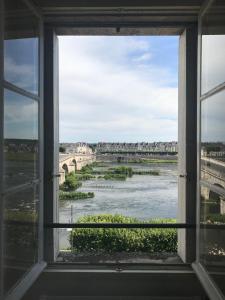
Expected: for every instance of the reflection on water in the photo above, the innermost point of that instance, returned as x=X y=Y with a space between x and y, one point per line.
x=141 y=196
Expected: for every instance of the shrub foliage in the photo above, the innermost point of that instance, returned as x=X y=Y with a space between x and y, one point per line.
x=129 y=240
x=71 y=183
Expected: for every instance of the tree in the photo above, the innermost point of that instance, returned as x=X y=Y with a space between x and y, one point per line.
x=62 y=149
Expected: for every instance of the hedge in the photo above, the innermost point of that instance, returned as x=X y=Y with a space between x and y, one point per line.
x=129 y=240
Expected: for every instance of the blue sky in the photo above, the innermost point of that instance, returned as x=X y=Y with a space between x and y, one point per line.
x=118 y=89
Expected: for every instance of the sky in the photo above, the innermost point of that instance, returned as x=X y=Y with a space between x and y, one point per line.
x=118 y=88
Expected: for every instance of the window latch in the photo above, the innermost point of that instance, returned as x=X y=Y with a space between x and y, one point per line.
x=183 y=175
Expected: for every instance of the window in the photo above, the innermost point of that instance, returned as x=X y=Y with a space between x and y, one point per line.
x=20 y=165
x=212 y=145
x=73 y=107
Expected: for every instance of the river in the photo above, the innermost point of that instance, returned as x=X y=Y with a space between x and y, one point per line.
x=141 y=196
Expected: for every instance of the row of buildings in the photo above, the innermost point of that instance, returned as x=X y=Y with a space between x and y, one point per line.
x=81 y=148
x=86 y=148
x=138 y=147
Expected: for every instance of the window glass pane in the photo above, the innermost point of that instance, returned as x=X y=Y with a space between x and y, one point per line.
x=213 y=45
x=212 y=232
x=20 y=234
x=213 y=140
x=21 y=46
x=20 y=139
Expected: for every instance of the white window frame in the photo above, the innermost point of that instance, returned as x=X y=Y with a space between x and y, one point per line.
x=187 y=124
x=25 y=282
x=204 y=277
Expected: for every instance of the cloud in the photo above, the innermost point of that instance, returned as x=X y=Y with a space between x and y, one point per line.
x=144 y=57
x=111 y=89
x=21 y=63
x=213 y=71
x=20 y=123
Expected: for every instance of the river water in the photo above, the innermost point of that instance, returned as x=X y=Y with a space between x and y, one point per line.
x=141 y=196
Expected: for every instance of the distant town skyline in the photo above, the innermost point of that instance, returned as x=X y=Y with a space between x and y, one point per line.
x=118 y=89
x=117 y=147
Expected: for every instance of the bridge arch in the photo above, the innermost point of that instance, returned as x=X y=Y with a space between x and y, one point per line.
x=65 y=168
x=75 y=164
x=215 y=198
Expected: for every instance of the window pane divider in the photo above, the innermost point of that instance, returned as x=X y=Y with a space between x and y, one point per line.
x=20 y=91
x=119 y=225
x=213 y=91
x=12 y=190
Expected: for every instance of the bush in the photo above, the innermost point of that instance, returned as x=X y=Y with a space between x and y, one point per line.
x=86 y=169
x=62 y=149
x=71 y=182
x=129 y=240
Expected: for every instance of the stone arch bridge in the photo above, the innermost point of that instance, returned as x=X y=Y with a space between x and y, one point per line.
x=213 y=171
x=73 y=162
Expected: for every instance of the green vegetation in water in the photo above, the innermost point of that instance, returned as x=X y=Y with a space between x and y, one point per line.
x=100 y=164
x=84 y=177
x=215 y=218
x=71 y=183
x=159 y=161
x=147 y=172
x=122 y=172
x=111 y=176
x=88 y=169
x=21 y=156
x=118 y=173
x=20 y=237
x=149 y=240
x=100 y=172
x=75 y=195
x=21 y=215
x=128 y=171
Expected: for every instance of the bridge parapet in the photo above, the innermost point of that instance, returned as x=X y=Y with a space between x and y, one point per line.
x=73 y=162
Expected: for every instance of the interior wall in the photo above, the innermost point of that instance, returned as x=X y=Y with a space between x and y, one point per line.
x=113 y=283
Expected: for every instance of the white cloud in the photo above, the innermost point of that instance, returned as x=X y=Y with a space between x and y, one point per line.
x=111 y=90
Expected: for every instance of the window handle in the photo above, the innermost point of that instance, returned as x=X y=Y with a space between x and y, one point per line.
x=183 y=175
